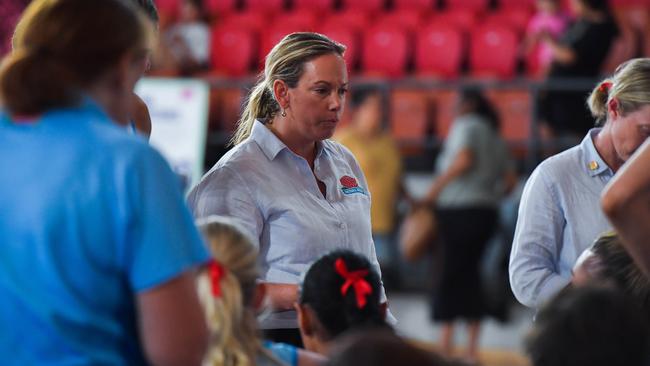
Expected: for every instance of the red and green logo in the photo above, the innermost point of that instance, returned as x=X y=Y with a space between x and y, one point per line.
x=350 y=185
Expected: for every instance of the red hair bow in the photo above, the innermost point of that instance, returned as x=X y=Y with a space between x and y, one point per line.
x=216 y=272
x=355 y=279
x=605 y=86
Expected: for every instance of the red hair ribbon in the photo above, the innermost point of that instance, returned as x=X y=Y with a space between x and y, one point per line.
x=216 y=272
x=605 y=86
x=355 y=279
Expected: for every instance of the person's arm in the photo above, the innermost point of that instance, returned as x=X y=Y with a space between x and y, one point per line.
x=307 y=358
x=561 y=53
x=172 y=326
x=626 y=202
x=460 y=165
x=535 y=248
x=282 y=296
x=141 y=117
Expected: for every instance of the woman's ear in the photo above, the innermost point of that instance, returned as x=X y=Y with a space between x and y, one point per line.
x=259 y=295
x=304 y=319
x=281 y=93
x=612 y=108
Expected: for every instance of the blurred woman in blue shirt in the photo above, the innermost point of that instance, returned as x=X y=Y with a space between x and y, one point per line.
x=98 y=249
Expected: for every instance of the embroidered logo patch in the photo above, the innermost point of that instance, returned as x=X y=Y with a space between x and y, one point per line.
x=350 y=185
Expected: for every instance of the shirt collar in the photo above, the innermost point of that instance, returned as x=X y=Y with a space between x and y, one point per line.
x=271 y=145
x=592 y=162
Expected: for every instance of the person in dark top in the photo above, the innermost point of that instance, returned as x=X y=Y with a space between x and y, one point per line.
x=580 y=53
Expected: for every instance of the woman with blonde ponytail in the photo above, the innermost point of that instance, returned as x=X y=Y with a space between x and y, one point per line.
x=560 y=213
x=231 y=296
x=298 y=194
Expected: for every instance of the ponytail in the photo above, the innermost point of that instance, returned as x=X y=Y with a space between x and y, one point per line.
x=259 y=104
x=597 y=101
x=32 y=82
x=284 y=62
x=233 y=326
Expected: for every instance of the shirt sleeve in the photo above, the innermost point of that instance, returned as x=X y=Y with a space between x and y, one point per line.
x=537 y=243
x=224 y=192
x=162 y=241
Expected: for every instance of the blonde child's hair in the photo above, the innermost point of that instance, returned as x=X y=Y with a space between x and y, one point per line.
x=230 y=316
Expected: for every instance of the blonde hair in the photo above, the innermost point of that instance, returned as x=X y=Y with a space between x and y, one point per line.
x=630 y=85
x=230 y=317
x=284 y=62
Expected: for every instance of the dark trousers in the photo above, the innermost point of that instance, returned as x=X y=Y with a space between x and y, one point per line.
x=463 y=235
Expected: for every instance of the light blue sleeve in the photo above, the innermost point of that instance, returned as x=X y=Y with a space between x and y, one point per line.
x=162 y=240
x=537 y=243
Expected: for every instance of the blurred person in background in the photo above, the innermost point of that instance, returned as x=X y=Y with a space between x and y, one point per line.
x=232 y=297
x=298 y=194
x=560 y=213
x=99 y=250
x=548 y=22
x=473 y=171
x=188 y=40
x=381 y=162
x=580 y=53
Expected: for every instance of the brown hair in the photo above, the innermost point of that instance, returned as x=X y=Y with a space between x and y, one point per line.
x=62 y=47
x=284 y=62
x=630 y=85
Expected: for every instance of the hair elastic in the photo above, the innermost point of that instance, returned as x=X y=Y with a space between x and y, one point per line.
x=356 y=280
x=216 y=272
x=605 y=86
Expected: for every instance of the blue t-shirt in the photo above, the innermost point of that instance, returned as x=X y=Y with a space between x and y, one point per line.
x=90 y=217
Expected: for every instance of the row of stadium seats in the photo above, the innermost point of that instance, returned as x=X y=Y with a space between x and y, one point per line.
x=424 y=6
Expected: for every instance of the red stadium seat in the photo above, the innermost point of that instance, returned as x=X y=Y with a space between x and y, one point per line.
x=359 y=21
x=275 y=32
x=252 y=20
x=265 y=6
x=317 y=5
x=514 y=109
x=385 y=51
x=515 y=17
x=439 y=51
x=168 y=11
x=504 y=4
x=232 y=50
x=303 y=18
x=217 y=8
x=409 y=119
x=443 y=103
x=475 y=5
x=348 y=37
x=368 y=6
x=493 y=52
x=462 y=19
x=423 y=6
x=408 y=19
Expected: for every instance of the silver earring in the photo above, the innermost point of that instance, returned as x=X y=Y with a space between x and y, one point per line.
x=284 y=113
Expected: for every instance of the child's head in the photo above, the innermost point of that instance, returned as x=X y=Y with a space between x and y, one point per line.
x=191 y=11
x=588 y=326
x=229 y=294
x=340 y=291
x=609 y=263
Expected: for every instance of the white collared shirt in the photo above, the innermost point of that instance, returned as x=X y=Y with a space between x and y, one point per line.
x=559 y=217
x=273 y=194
